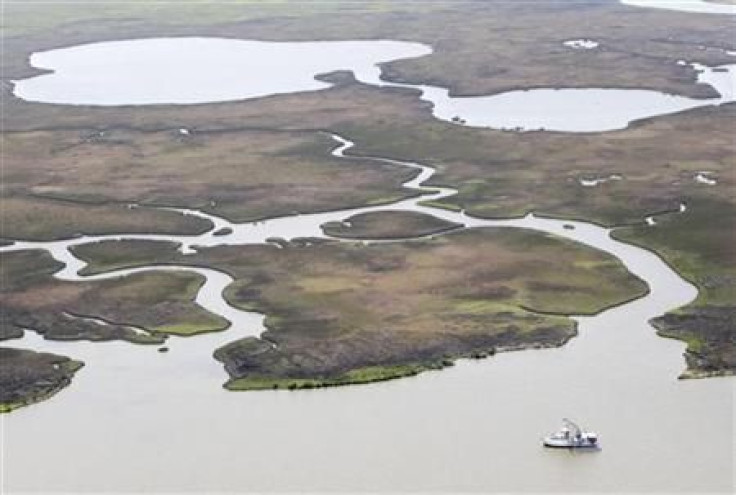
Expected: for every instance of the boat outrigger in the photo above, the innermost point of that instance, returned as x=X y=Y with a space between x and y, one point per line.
x=571 y=436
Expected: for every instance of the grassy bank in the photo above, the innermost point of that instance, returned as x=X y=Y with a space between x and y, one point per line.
x=700 y=245
x=480 y=47
x=33 y=218
x=252 y=159
x=112 y=255
x=388 y=225
x=141 y=308
x=368 y=374
x=350 y=313
x=27 y=377
x=126 y=166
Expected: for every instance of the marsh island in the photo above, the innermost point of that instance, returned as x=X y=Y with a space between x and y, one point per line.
x=349 y=193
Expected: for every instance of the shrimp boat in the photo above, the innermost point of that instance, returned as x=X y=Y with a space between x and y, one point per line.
x=571 y=436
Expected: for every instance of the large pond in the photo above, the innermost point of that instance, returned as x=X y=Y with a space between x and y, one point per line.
x=692 y=6
x=198 y=70
x=136 y=420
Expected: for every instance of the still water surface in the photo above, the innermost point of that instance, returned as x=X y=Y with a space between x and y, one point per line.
x=198 y=70
x=136 y=420
x=692 y=6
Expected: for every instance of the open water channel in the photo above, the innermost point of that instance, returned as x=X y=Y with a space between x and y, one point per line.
x=134 y=419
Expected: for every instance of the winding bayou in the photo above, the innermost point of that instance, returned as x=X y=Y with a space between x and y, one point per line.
x=542 y=331
x=608 y=341
x=318 y=310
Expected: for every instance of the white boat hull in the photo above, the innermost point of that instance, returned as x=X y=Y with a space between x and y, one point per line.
x=570 y=444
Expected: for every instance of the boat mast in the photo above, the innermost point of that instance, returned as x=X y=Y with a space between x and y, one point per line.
x=575 y=430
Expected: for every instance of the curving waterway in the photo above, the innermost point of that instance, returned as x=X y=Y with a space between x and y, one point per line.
x=136 y=420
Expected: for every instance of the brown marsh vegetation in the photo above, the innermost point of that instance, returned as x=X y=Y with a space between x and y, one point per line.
x=63 y=178
x=347 y=312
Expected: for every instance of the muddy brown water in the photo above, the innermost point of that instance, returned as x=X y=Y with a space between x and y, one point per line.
x=136 y=420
